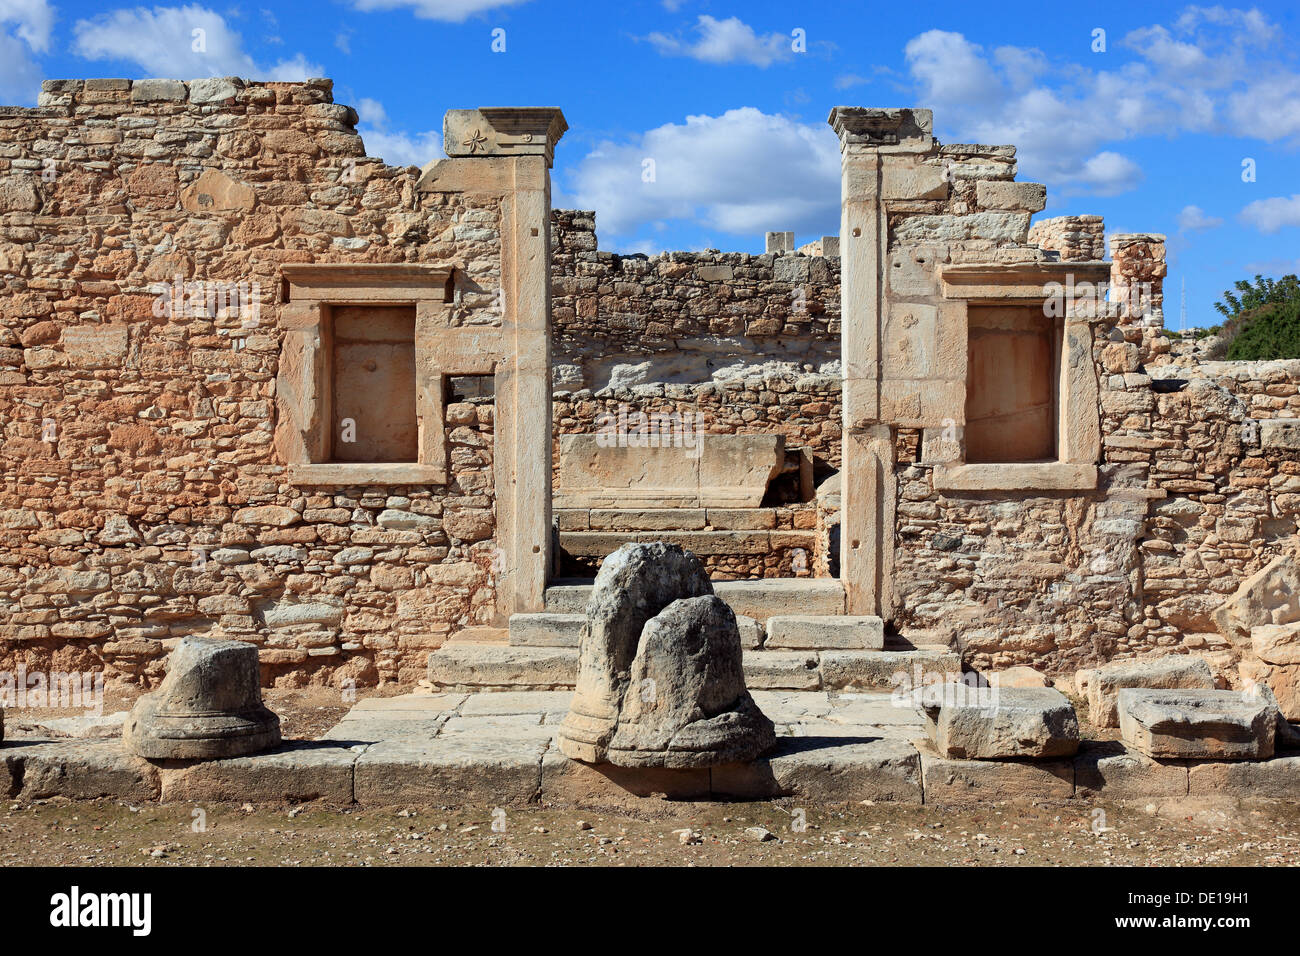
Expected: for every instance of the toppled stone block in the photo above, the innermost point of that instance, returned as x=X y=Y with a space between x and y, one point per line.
x=660 y=678
x=208 y=706
x=1171 y=671
x=991 y=723
x=1194 y=723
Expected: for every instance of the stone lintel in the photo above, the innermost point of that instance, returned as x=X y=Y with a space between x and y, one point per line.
x=373 y=282
x=1032 y=476
x=503 y=131
x=348 y=473
x=1024 y=280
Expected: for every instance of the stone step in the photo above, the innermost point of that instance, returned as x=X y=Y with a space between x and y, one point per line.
x=464 y=666
x=760 y=600
x=547 y=629
x=804 y=631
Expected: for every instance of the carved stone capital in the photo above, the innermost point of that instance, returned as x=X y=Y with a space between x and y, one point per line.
x=908 y=129
x=503 y=131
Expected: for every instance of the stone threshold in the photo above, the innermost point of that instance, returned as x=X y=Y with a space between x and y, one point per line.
x=500 y=749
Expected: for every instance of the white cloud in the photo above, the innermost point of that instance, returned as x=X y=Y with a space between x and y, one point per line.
x=1273 y=214
x=1210 y=73
x=726 y=41
x=395 y=148
x=25 y=27
x=745 y=172
x=450 y=11
x=1109 y=174
x=161 y=41
x=34 y=19
x=1194 y=219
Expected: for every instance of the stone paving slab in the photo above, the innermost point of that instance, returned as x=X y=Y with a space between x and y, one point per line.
x=419 y=750
x=450 y=771
x=953 y=782
x=79 y=770
x=1115 y=771
x=299 y=771
x=517 y=702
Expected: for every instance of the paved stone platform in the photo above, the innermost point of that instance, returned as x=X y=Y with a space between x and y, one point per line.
x=499 y=749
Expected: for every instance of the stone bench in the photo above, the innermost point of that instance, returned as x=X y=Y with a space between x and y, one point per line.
x=704 y=471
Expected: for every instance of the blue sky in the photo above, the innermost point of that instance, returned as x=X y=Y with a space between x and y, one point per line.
x=730 y=101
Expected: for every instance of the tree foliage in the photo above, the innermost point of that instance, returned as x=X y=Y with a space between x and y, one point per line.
x=1264 y=291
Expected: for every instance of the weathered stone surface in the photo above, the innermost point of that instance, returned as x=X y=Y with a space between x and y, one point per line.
x=862 y=632
x=1209 y=724
x=952 y=782
x=82 y=770
x=689 y=706
x=1182 y=671
x=1269 y=596
x=1113 y=771
x=660 y=679
x=714 y=471
x=989 y=723
x=208 y=706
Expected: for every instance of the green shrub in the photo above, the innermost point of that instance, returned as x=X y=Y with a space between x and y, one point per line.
x=1268 y=332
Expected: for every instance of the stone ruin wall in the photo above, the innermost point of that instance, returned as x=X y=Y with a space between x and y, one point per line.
x=155 y=511
x=1185 y=510
x=162 y=428
x=750 y=344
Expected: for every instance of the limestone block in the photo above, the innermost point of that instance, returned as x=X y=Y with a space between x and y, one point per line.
x=95 y=346
x=722 y=471
x=990 y=723
x=1011 y=196
x=208 y=706
x=914 y=181
x=155 y=90
x=1283 y=433
x=779 y=242
x=1170 y=671
x=796 y=631
x=1198 y=724
x=952 y=782
x=214 y=191
x=1269 y=596
x=1113 y=771
x=214 y=89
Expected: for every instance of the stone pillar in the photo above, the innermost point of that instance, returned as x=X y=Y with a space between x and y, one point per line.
x=1137 y=280
x=520 y=143
x=875 y=146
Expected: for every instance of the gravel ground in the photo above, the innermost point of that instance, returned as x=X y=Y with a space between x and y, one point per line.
x=108 y=833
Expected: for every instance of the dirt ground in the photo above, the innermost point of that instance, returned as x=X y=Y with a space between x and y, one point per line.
x=109 y=833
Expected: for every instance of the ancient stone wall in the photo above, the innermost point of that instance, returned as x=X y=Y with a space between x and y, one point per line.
x=743 y=343
x=141 y=500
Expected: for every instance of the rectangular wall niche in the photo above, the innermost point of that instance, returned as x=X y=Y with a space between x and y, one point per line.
x=374 y=385
x=1013 y=371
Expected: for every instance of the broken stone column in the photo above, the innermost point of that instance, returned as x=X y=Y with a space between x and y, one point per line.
x=660 y=679
x=208 y=706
